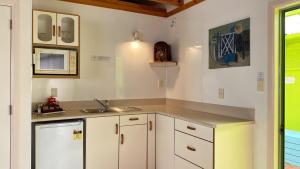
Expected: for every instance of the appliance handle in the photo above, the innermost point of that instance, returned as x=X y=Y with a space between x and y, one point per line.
x=53 y=30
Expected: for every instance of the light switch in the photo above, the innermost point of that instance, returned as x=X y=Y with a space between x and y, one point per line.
x=160 y=83
x=260 y=81
x=221 y=93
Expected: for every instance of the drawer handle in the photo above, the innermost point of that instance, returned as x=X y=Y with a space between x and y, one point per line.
x=53 y=30
x=122 y=138
x=134 y=119
x=117 y=128
x=150 y=125
x=191 y=128
x=59 y=31
x=191 y=148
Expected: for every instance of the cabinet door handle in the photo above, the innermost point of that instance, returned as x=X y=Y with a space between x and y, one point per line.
x=150 y=125
x=59 y=30
x=117 y=128
x=191 y=148
x=134 y=119
x=53 y=30
x=122 y=138
x=191 y=128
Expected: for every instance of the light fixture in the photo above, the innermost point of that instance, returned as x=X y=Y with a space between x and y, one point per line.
x=198 y=46
x=136 y=36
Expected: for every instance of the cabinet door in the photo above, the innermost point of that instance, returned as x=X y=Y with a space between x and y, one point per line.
x=151 y=140
x=182 y=164
x=102 y=142
x=5 y=87
x=44 y=27
x=164 y=142
x=133 y=147
x=68 y=30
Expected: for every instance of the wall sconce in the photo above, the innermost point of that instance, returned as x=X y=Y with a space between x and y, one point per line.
x=198 y=46
x=136 y=36
x=136 y=39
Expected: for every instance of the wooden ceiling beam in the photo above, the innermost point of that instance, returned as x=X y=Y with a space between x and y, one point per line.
x=122 y=5
x=184 y=7
x=170 y=2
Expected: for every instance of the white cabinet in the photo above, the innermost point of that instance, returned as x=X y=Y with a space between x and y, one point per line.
x=102 y=142
x=68 y=30
x=5 y=34
x=224 y=147
x=130 y=120
x=133 y=147
x=183 y=164
x=151 y=140
x=196 y=130
x=195 y=150
x=55 y=29
x=44 y=27
x=164 y=142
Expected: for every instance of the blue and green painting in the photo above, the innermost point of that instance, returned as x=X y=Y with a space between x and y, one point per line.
x=229 y=45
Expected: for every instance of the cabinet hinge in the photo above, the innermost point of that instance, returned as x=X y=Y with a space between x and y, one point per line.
x=10 y=109
x=11 y=24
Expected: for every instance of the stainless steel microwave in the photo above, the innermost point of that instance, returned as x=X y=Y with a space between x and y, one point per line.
x=55 y=62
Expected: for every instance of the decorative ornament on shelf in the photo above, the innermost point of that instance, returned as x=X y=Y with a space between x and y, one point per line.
x=51 y=106
x=162 y=52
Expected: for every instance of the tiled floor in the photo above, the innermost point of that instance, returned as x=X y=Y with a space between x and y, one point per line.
x=287 y=166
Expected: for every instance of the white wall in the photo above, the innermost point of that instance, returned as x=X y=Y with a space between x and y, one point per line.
x=192 y=80
x=106 y=32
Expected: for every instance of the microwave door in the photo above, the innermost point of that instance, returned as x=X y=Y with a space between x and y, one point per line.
x=52 y=62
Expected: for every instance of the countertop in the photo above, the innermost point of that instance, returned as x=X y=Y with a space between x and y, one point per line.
x=197 y=117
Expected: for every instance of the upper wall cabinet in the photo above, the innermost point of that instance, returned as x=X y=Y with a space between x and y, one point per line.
x=55 y=29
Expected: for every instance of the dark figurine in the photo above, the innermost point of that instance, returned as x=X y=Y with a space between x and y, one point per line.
x=162 y=52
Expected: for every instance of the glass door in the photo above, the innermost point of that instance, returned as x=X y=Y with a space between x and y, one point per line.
x=44 y=27
x=290 y=89
x=68 y=30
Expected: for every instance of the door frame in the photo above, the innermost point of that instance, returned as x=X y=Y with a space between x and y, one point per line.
x=275 y=81
x=282 y=83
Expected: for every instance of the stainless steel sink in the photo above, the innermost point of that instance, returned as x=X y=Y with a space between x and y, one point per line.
x=98 y=111
x=112 y=110
x=126 y=109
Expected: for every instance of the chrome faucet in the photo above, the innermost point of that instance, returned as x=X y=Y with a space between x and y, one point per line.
x=103 y=106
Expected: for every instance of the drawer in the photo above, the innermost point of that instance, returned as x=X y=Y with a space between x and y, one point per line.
x=196 y=130
x=183 y=164
x=133 y=119
x=195 y=150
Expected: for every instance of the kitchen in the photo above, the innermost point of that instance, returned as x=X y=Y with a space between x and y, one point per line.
x=117 y=107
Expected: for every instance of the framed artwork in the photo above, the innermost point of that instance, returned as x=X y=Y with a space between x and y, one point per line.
x=229 y=45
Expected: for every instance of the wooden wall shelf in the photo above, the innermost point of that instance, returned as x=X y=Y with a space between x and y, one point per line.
x=163 y=64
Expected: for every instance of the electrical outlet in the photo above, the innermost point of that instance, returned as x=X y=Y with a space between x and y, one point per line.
x=160 y=83
x=54 y=92
x=221 y=93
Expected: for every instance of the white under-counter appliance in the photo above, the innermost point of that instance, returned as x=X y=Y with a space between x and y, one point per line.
x=59 y=145
x=55 y=61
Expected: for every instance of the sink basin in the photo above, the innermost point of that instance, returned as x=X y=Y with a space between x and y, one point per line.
x=126 y=109
x=97 y=111
x=113 y=110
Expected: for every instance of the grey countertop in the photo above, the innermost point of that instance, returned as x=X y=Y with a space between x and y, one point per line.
x=198 y=117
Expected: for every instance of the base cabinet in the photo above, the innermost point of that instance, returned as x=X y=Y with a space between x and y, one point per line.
x=164 y=142
x=183 y=164
x=133 y=147
x=154 y=141
x=102 y=142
